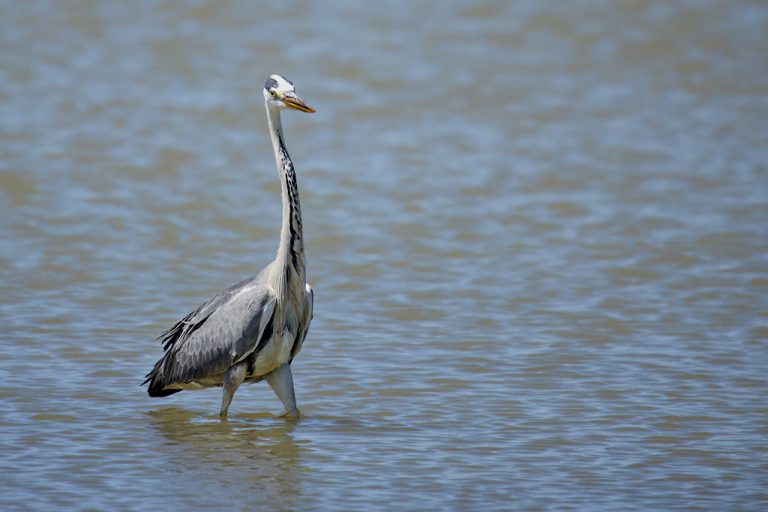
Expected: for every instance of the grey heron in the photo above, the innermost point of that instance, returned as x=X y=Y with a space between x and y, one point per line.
x=254 y=329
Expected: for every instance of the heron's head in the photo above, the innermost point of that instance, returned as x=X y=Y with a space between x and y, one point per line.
x=280 y=93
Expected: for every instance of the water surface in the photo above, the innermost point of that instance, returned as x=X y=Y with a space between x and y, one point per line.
x=538 y=237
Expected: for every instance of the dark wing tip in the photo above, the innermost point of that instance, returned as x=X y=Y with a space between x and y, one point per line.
x=156 y=387
x=161 y=392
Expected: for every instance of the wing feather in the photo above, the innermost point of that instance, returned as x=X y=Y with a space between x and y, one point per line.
x=309 y=299
x=214 y=336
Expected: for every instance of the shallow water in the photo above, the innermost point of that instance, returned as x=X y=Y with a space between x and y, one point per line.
x=538 y=238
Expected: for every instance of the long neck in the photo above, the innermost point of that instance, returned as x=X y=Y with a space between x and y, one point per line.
x=290 y=253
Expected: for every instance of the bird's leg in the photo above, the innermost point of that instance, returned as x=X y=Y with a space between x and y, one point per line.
x=232 y=380
x=281 y=382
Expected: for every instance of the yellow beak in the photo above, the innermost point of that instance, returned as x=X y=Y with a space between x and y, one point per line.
x=297 y=103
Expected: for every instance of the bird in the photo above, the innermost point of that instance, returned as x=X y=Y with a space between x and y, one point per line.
x=253 y=330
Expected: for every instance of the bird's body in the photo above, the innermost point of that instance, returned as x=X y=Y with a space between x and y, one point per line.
x=254 y=329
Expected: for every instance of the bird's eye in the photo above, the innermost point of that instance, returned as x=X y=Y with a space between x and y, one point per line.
x=272 y=93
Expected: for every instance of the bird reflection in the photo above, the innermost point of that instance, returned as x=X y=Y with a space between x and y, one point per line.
x=257 y=448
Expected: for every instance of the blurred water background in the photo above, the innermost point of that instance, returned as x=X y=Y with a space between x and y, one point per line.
x=537 y=232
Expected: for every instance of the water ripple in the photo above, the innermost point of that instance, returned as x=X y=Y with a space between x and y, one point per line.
x=537 y=237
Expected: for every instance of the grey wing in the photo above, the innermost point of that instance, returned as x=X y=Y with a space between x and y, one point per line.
x=309 y=301
x=216 y=335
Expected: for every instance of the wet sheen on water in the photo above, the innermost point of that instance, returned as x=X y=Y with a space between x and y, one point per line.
x=538 y=238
